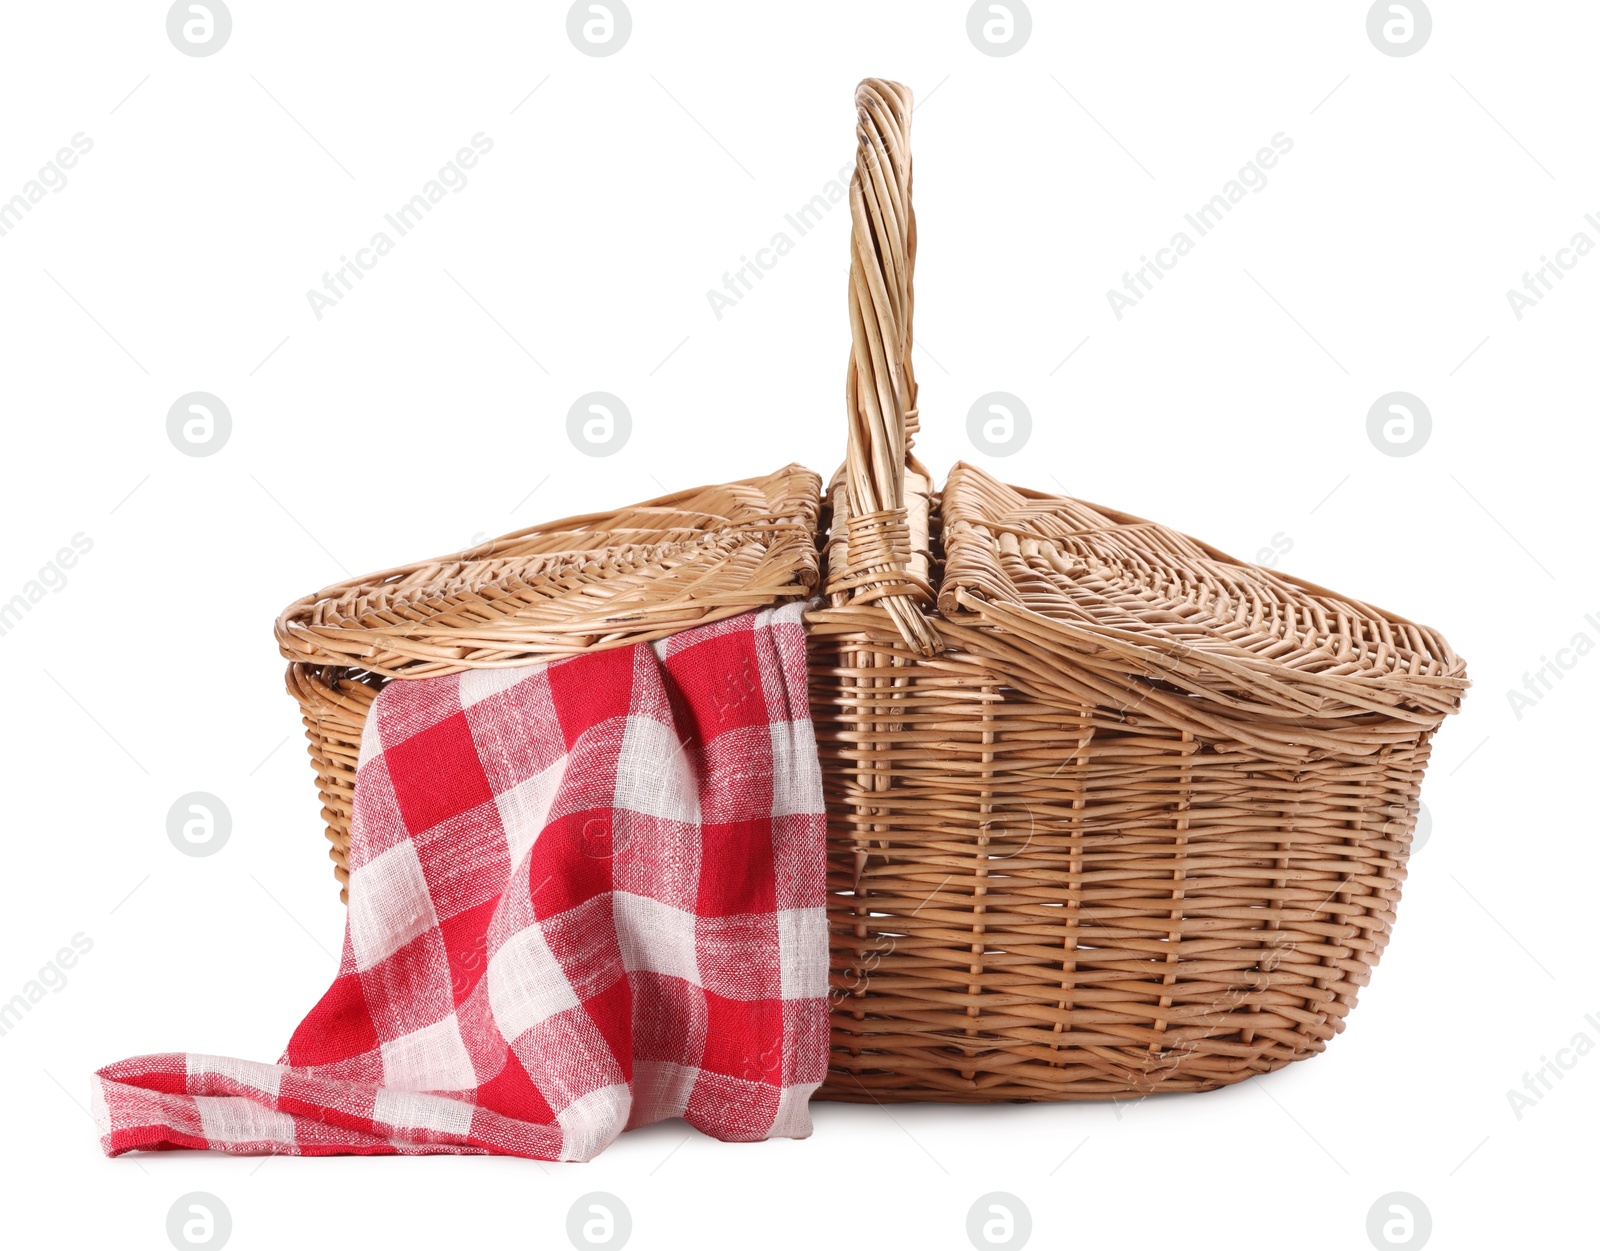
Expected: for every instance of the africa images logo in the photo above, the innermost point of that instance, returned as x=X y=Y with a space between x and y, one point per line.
x=50 y=979
x=52 y=576
x=451 y=177
x=1251 y=177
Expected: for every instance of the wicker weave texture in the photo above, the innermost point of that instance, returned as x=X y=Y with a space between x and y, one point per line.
x=1141 y=826
x=1137 y=819
x=581 y=584
x=1110 y=812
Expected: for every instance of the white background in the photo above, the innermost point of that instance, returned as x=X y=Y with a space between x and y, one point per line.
x=423 y=409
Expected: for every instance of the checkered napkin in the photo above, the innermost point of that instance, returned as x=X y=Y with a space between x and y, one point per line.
x=584 y=896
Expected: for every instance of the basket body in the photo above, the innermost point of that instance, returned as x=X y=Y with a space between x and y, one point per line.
x=1084 y=853
x=1110 y=813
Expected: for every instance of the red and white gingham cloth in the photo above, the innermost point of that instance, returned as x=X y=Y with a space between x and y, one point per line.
x=584 y=896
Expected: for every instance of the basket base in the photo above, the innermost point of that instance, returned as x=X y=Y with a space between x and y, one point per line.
x=1073 y=1086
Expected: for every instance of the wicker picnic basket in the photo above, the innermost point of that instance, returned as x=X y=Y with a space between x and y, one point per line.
x=1110 y=812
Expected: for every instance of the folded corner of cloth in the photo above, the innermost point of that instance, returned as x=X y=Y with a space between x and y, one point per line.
x=585 y=895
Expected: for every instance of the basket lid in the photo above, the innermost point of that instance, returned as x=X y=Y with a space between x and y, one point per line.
x=1165 y=608
x=580 y=584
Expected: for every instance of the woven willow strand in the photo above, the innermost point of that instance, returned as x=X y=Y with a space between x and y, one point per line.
x=883 y=555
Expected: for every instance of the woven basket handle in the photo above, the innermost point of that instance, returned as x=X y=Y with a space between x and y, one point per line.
x=885 y=512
